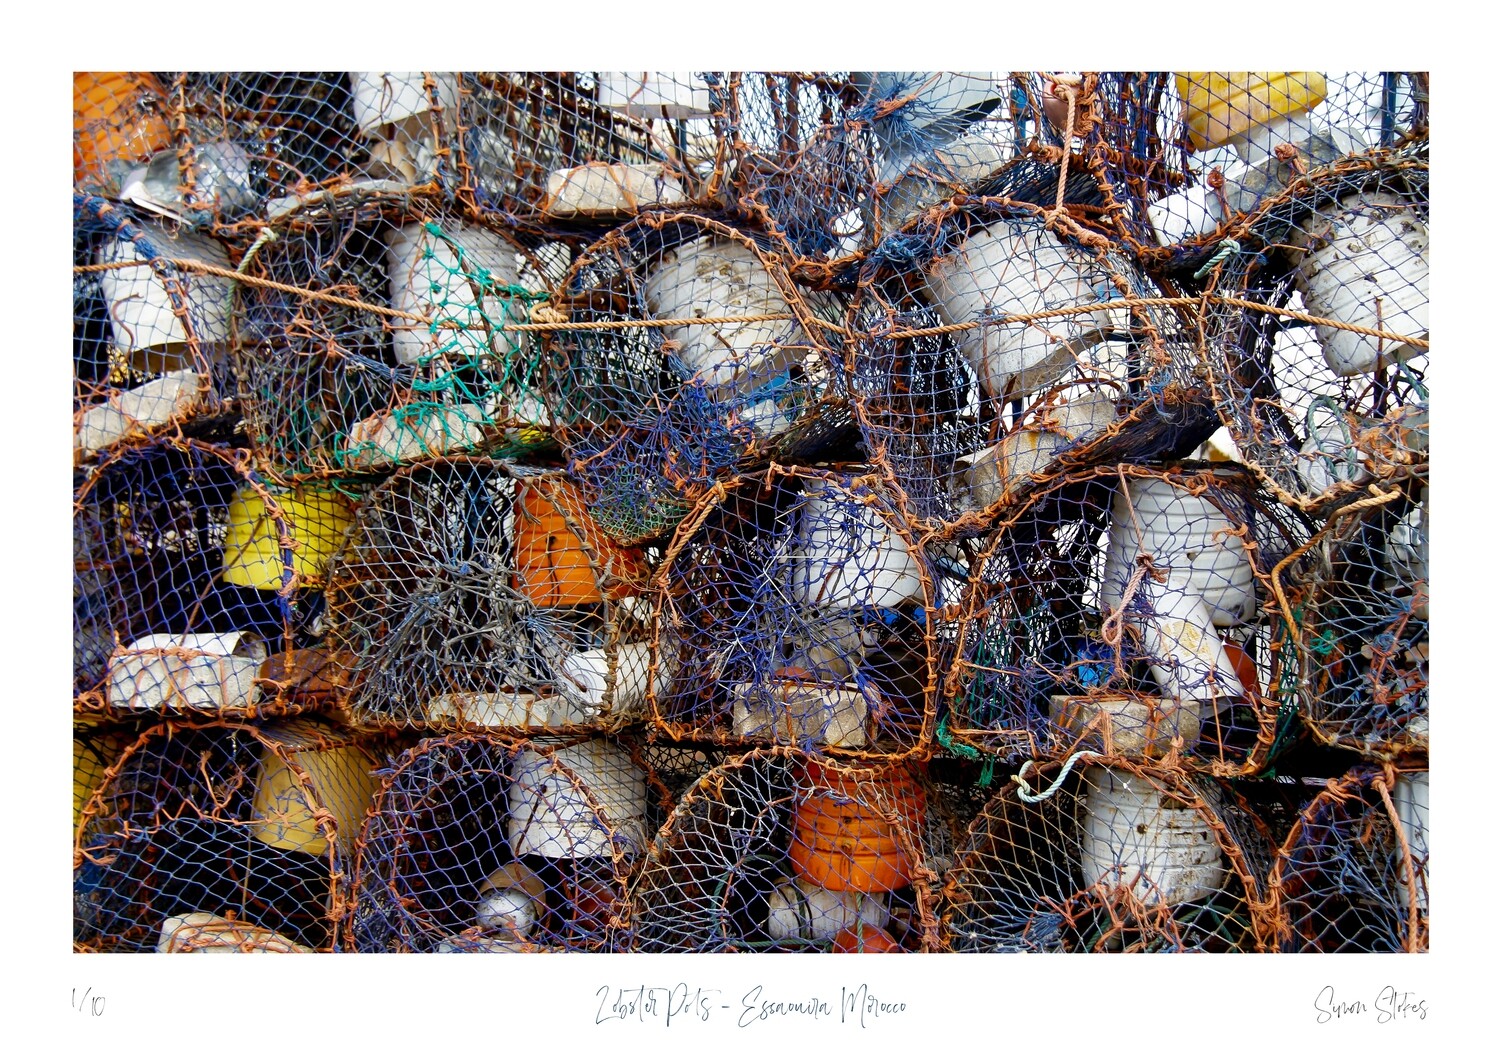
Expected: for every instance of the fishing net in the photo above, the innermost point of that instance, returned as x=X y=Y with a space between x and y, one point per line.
x=478 y=844
x=997 y=347
x=567 y=151
x=1193 y=155
x=217 y=837
x=1361 y=626
x=150 y=337
x=378 y=332
x=656 y=414
x=1122 y=608
x=800 y=610
x=190 y=574
x=475 y=594
x=1106 y=855
x=782 y=851
x=1328 y=405
x=1352 y=874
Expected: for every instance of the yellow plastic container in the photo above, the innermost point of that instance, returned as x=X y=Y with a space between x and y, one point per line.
x=1222 y=107
x=90 y=759
x=315 y=518
x=341 y=784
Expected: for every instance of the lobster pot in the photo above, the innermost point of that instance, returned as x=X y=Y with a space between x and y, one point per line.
x=188 y=573
x=119 y=120
x=1352 y=874
x=1362 y=629
x=589 y=148
x=149 y=337
x=799 y=610
x=963 y=436
x=425 y=368
x=1117 y=857
x=476 y=595
x=778 y=850
x=656 y=415
x=482 y=844
x=1055 y=646
x=1324 y=411
x=222 y=838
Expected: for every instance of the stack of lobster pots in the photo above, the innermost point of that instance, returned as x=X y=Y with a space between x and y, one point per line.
x=711 y=511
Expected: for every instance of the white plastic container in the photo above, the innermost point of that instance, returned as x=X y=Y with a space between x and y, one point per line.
x=1131 y=835
x=501 y=710
x=584 y=676
x=1366 y=265
x=221 y=174
x=654 y=94
x=1187 y=535
x=1188 y=660
x=931 y=97
x=1138 y=726
x=406 y=434
x=794 y=712
x=426 y=279
x=1406 y=556
x=203 y=933
x=604 y=190
x=152 y=404
x=713 y=277
x=957 y=166
x=848 y=555
x=389 y=97
x=1018 y=267
x=554 y=817
x=801 y=910
x=1411 y=797
x=186 y=671
x=140 y=310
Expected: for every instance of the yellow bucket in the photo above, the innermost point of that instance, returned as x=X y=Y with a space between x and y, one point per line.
x=341 y=784
x=1223 y=106
x=315 y=517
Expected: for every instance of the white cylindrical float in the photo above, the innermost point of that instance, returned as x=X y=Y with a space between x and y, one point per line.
x=722 y=278
x=383 y=97
x=801 y=910
x=1364 y=263
x=1138 y=726
x=847 y=556
x=176 y=671
x=553 y=816
x=1132 y=835
x=141 y=312
x=1019 y=267
x=1189 y=535
x=430 y=276
x=585 y=676
x=1410 y=795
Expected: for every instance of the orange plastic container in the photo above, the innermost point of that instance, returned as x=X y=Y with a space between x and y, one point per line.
x=553 y=568
x=109 y=124
x=842 y=841
x=865 y=939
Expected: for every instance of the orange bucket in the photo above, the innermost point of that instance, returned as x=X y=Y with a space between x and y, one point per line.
x=108 y=123
x=553 y=567
x=841 y=841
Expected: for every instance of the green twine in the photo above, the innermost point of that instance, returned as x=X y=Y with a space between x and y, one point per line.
x=1226 y=248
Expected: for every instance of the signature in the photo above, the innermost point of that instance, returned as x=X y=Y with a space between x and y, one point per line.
x=1388 y=1005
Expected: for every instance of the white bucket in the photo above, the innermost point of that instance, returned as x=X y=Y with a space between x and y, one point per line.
x=404 y=435
x=1368 y=267
x=584 y=676
x=801 y=910
x=1138 y=726
x=610 y=189
x=1018 y=267
x=140 y=310
x=1410 y=795
x=387 y=98
x=849 y=556
x=425 y=280
x=1006 y=466
x=1130 y=834
x=951 y=169
x=794 y=712
x=654 y=94
x=713 y=277
x=551 y=817
x=1406 y=556
x=186 y=671
x=1182 y=533
x=1188 y=660
x=506 y=710
x=203 y=933
x=152 y=404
